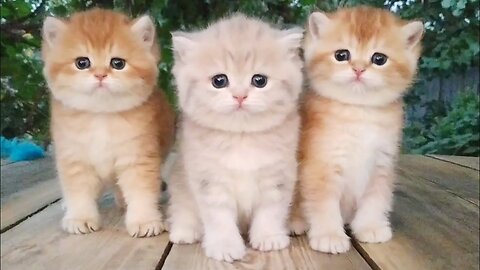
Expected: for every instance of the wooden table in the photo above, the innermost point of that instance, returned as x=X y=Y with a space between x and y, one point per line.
x=435 y=222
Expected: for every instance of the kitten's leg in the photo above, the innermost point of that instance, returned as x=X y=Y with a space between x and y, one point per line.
x=81 y=188
x=183 y=219
x=321 y=190
x=268 y=230
x=140 y=186
x=370 y=223
x=221 y=237
x=118 y=196
x=296 y=222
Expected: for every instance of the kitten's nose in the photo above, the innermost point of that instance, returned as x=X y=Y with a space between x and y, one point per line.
x=358 y=71
x=100 y=77
x=240 y=99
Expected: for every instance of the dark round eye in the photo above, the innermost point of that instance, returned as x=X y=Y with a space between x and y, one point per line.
x=379 y=59
x=117 y=63
x=259 y=80
x=220 y=81
x=82 y=62
x=342 y=55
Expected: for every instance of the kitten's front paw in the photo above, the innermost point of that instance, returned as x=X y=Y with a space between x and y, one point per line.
x=145 y=228
x=225 y=249
x=181 y=235
x=374 y=235
x=81 y=225
x=330 y=243
x=271 y=242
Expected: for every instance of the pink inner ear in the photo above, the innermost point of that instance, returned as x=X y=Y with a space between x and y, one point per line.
x=411 y=39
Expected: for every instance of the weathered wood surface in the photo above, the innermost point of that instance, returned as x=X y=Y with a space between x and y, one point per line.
x=25 y=202
x=435 y=222
x=297 y=256
x=469 y=162
x=39 y=243
x=433 y=227
x=460 y=181
x=18 y=176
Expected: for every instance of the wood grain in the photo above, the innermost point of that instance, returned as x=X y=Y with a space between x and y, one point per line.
x=18 y=176
x=40 y=242
x=433 y=228
x=460 y=181
x=298 y=256
x=25 y=202
x=469 y=162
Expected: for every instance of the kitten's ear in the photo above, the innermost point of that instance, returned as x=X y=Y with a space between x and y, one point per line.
x=317 y=23
x=181 y=44
x=52 y=28
x=292 y=38
x=144 y=28
x=413 y=33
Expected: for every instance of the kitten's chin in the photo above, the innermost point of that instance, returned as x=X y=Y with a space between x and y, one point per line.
x=101 y=103
x=349 y=95
x=238 y=122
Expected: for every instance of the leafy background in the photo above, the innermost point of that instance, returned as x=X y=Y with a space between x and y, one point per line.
x=451 y=46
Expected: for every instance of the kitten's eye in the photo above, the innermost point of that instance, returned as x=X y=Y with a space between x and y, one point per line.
x=117 y=63
x=220 y=81
x=259 y=80
x=379 y=59
x=342 y=55
x=82 y=62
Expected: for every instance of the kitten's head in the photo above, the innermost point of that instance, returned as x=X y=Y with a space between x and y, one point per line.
x=100 y=60
x=239 y=74
x=362 y=55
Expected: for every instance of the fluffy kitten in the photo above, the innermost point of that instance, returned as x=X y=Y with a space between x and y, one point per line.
x=238 y=84
x=359 y=63
x=110 y=125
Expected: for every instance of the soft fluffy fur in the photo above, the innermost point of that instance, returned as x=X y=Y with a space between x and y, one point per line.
x=117 y=134
x=351 y=129
x=237 y=167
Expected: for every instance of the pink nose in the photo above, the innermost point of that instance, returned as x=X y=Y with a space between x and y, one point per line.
x=358 y=71
x=240 y=99
x=100 y=77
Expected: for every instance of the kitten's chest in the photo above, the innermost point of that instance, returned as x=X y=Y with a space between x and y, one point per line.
x=98 y=145
x=364 y=150
x=242 y=152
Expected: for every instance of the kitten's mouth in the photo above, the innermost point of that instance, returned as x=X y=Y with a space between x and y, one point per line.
x=101 y=86
x=357 y=80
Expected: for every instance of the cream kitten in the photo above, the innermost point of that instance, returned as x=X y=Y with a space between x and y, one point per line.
x=110 y=125
x=359 y=61
x=238 y=84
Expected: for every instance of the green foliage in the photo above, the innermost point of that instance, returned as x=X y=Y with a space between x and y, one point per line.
x=451 y=41
x=454 y=132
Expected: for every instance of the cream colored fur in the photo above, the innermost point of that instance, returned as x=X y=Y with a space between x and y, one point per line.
x=237 y=167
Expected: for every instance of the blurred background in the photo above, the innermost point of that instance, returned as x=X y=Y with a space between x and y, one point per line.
x=442 y=107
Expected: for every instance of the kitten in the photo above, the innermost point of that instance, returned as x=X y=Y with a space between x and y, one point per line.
x=359 y=63
x=238 y=84
x=110 y=125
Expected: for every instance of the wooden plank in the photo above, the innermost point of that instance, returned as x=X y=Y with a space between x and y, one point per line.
x=469 y=162
x=5 y=162
x=433 y=229
x=21 y=175
x=25 y=202
x=40 y=242
x=298 y=256
x=462 y=182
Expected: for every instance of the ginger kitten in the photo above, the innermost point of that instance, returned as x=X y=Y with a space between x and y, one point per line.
x=238 y=84
x=359 y=63
x=110 y=125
